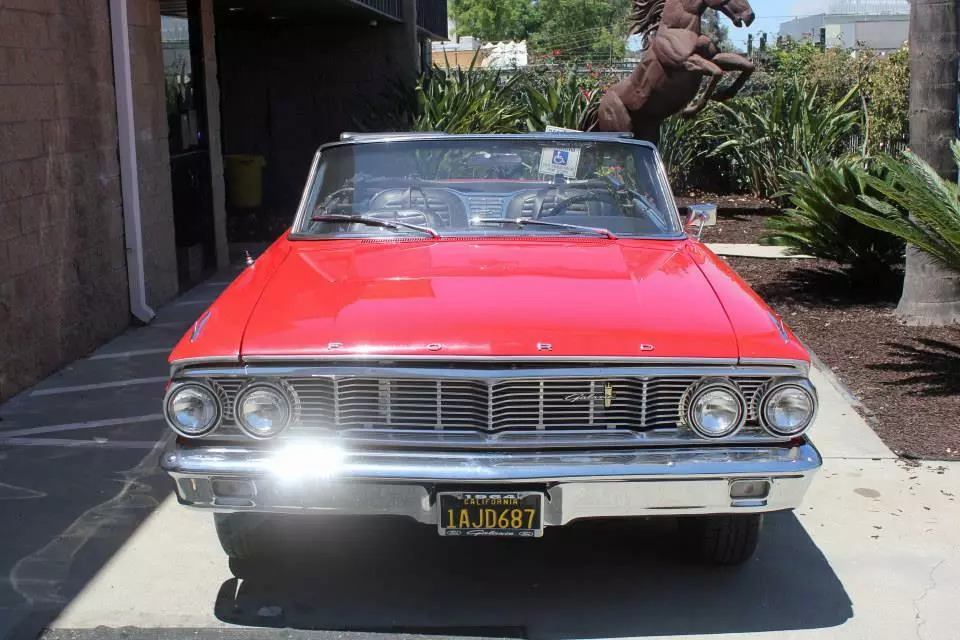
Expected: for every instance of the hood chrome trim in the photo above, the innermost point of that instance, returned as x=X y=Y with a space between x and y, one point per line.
x=346 y=370
x=505 y=359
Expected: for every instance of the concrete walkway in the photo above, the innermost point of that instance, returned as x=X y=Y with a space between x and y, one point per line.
x=754 y=251
x=96 y=548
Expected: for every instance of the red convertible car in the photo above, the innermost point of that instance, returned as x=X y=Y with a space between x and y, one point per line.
x=492 y=335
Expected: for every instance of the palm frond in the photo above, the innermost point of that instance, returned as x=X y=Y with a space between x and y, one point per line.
x=913 y=202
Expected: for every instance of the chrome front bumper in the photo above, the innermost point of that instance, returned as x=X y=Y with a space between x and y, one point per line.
x=310 y=476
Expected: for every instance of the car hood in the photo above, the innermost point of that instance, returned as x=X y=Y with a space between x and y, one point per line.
x=535 y=297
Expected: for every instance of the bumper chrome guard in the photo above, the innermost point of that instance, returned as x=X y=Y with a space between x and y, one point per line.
x=311 y=476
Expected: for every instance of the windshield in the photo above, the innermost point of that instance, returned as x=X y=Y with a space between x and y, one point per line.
x=493 y=186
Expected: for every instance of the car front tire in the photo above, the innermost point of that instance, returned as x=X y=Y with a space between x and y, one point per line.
x=243 y=536
x=723 y=540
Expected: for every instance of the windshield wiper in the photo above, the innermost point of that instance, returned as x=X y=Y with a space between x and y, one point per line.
x=396 y=225
x=522 y=222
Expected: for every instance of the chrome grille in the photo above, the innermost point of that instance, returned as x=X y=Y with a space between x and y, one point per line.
x=231 y=388
x=523 y=403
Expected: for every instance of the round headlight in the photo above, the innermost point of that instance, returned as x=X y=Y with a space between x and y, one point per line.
x=716 y=410
x=789 y=408
x=192 y=409
x=263 y=411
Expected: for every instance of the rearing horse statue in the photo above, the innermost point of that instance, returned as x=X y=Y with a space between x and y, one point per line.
x=669 y=77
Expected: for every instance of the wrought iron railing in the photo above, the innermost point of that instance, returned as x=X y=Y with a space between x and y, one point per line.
x=432 y=17
x=388 y=7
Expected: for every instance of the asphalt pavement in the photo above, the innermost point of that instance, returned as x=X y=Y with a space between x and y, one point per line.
x=93 y=545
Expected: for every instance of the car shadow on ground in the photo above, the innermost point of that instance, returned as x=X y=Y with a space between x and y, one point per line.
x=591 y=579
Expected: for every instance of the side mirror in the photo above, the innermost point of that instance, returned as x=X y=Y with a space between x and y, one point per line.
x=700 y=216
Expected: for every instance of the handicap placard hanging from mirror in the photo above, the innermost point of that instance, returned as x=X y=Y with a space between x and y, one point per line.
x=556 y=161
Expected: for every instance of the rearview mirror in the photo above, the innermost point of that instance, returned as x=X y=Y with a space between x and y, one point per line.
x=700 y=216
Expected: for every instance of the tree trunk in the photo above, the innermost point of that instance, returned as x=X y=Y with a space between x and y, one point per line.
x=931 y=292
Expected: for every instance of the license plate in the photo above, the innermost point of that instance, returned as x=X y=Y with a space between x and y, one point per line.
x=490 y=514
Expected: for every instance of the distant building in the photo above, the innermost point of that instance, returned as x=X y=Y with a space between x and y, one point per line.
x=853 y=26
x=505 y=55
x=467 y=50
x=460 y=52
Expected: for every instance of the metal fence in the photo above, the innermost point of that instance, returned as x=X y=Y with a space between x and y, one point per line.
x=388 y=7
x=855 y=144
x=432 y=17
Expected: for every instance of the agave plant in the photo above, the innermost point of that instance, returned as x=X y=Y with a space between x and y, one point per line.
x=914 y=203
x=561 y=101
x=815 y=225
x=471 y=100
x=767 y=136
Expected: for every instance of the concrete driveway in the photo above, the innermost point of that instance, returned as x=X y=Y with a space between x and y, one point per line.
x=94 y=546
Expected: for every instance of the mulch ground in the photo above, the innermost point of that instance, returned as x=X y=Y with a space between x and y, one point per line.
x=740 y=218
x=908 y=378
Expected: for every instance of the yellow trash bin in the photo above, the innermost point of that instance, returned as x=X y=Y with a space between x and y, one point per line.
x=244 y=180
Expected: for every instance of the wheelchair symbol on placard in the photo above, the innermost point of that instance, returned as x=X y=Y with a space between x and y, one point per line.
x=561 y=157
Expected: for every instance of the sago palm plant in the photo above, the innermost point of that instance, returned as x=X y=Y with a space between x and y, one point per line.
x=813 y=223
x=914 y=203
x=767 y=136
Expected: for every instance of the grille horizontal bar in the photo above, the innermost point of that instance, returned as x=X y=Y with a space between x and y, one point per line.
x=496 y=404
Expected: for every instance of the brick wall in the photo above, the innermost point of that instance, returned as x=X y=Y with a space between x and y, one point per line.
x=63 y=281
x=287 y=89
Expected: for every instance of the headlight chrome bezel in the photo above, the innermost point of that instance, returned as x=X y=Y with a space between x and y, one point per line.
x=207 y=387
x=708 y=385
x=804 y=385
x=279 y=387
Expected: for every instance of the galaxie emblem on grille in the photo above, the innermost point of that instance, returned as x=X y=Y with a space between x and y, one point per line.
x=606 y=397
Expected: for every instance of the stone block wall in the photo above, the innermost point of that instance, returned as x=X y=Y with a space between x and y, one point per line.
x=63 y=279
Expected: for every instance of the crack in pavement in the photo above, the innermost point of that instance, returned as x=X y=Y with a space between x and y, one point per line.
x=15 y=492
x=931 y=585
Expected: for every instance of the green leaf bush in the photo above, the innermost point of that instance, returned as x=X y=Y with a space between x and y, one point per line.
x=912 y=202
x=471 y=100
x=815 y=223
x=765 y=137
x=559 y=100
x=684 y=147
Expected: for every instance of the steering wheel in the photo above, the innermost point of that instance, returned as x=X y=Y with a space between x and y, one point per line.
x=338 y=201
x=410 y=216
x=591 y=196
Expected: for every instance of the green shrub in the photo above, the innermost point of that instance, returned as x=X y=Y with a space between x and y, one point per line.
x=914 y=203
x=561 y=100
x=686 y=145
x=681 y=145
x=764 y=137
x=469 y=100
x=815 y=224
